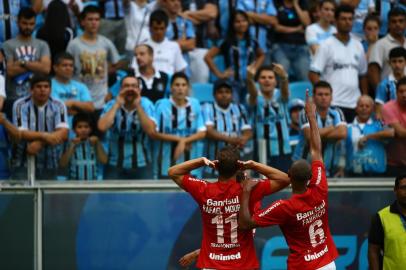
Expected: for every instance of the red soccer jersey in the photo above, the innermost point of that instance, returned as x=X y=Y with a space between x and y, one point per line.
x=303 y=220
x=224 y=246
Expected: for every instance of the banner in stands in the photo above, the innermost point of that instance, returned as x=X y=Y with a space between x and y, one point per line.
x=153 y=230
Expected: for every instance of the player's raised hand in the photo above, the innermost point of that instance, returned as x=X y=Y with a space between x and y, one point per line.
x=246 y=165
x=310 y=107
x=209 y=163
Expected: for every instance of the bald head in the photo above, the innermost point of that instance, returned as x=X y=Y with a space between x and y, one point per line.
x=300 y=171
x=366 y=99
x=365 y=108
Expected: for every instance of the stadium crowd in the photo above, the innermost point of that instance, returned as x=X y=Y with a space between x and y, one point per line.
x=121 y=89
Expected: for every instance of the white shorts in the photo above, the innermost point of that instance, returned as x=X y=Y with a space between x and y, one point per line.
x=330 y=266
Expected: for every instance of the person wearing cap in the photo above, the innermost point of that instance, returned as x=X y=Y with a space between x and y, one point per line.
x=295 y=106
x=268 y=107
x=227 y=123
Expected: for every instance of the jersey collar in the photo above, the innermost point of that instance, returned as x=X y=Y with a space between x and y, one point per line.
x=226 y=110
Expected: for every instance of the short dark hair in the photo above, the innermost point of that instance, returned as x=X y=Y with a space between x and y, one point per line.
x=371 y=18
x=149 y=48
x=397 y=52
x=129 y=75
x=300 y=171
x=322 y=84
x=89 y=9
x=39 y=77
x=321 y=3
x=159 y=16
x=63 y=56
x=261 y=69
x=228 y=158
x=26 y=13
x=82 y=117
x=398 y=178
x=179 y=75
x=396 y=11
x=400 y=82
x=343 y=9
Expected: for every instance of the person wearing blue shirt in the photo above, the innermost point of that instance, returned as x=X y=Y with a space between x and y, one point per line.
x=85 y=151
x=332 y=128
x=386 y=89
x=227 y=123
x=262 y=13
x=180 y=29
x=43 y=125
x=364 y=153
x=295 y=107
x=239 y=50
x=180 y=128
x=128 y=121
x=74 y=94
x=268 y=108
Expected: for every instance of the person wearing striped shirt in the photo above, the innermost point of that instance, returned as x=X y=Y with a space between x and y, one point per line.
x=85 y=151
x=332 y=126
x=227 y=123
x=269 y=111
x=180 y=128
x=127 y=122
x=43 y=127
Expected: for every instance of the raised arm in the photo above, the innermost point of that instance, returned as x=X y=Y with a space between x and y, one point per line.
x=279 y=180
x=245 y=221
x=314 y=139
x=177 y=172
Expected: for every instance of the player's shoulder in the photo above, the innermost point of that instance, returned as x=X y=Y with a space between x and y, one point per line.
x=275 y=206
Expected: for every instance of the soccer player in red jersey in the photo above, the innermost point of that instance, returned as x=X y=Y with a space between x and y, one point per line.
x=302 y=218
x=224 y=245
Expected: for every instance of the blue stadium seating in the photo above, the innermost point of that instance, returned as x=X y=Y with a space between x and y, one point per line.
x=298 y=89
x=202 y=91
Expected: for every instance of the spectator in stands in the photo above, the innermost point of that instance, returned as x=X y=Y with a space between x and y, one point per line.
x=180 y=29
x=112 y=24
x=154 y=84
x=136 y=16
x=56 y=31
x=227 y=123
x=289 y=47
x=2 y=91
x=361 y=9
x=262 y=15
x=364 y=151
x=128 y=122
x=371 y=33
x=43 y=127
x=295 y=107
x=341 y=62
x=394 y=115
x=323 y=28
x=85 y=151
x=163 y=61
x=378 y=67
x=386 y=89
x=239 y=50
x=269 y=114
x=8 y=18
x=180 y=130
x=24 y=56
x=332 y=128
x=387 y=231
x=203 y=14
x=95 y=56
x=74 y=94
x=217 y=29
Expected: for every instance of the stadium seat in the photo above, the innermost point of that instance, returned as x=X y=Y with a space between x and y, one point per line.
x=298 y=89
x=202 y=91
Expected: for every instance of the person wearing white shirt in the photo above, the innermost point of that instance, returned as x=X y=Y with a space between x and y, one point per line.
x=167 y=54
x=341 y=61
x=323 y=29
x=2 y=91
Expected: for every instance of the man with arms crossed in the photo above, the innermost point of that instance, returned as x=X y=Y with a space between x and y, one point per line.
x=303 y=218
x=224 y=245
